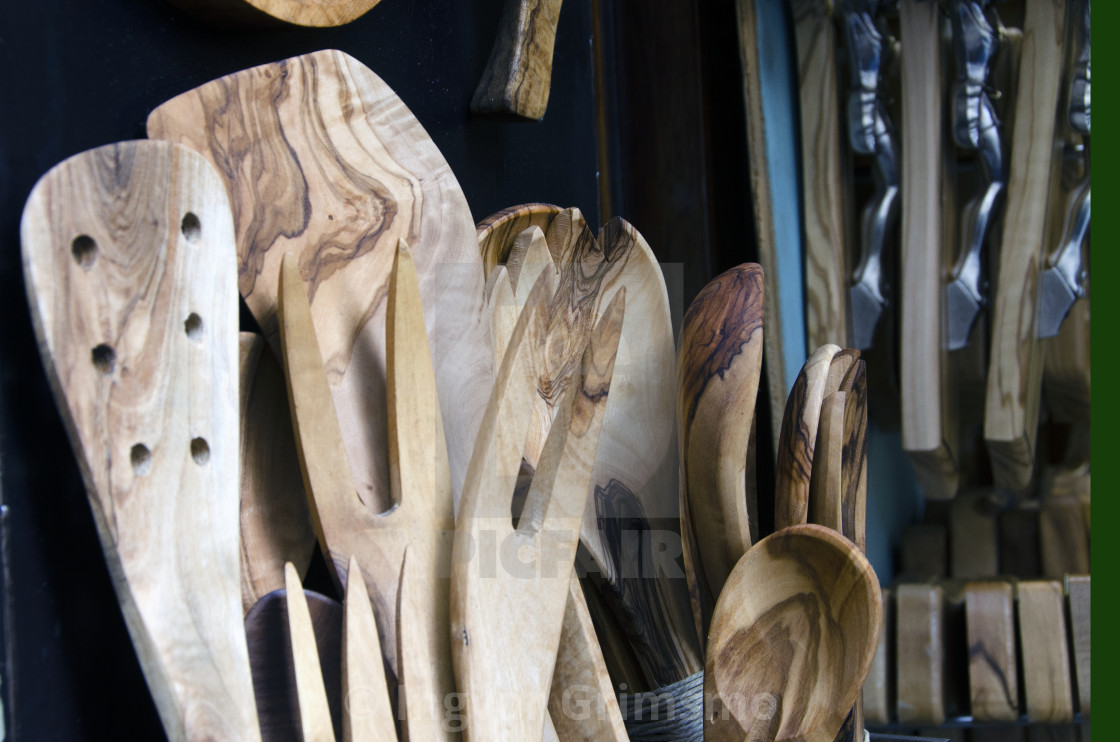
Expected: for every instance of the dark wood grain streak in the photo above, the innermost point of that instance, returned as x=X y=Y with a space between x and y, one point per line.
x=853 y=497
x=992 y=667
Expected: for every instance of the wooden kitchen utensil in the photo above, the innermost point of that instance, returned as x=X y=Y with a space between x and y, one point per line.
x=718 y=369
x=422 y=520
x=128 y=257
x=798 y=439
x=1047 y=684
x=275 y=523
x=792 y=639
x=992 y=669
x=314 y=711
x=920 y=656
x=366 y=714
x=505 y=698
x=1015 y=373
x=1080 y=617
x=324 y=161
x=518 y=76
x=322 y=13
x=497 y=232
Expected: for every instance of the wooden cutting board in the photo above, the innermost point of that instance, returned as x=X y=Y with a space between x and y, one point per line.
x=324 y=161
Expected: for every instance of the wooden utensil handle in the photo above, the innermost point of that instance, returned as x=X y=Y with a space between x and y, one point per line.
x=519 y=74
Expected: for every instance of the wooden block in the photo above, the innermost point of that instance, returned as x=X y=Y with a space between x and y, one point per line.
x=1047 y=681
x=1077 y=589
x=878 y=688
x=1063 y=537
x=923 y=552
x=992 y=672
x=1018 y=543
x=920 y=653
x=973 y=551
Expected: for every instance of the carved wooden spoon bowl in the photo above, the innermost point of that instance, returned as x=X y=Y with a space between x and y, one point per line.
x=792 y=638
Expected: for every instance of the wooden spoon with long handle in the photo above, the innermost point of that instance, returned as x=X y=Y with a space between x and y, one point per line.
x=422 y=522
x=506 y=694
x=129 y=259
x=325 y=162
x=793 y=636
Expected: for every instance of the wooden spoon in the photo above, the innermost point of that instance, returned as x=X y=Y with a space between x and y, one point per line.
x=792 y=638
x=422 y=522
x=324 y=161
x=322 y=13
x=128 y=256
x=518 y=75
x=718 y=369
x=497 y=232
x=506 y=693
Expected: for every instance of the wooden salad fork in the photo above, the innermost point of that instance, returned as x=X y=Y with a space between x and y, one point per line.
x=422 y=518
x=501 y=575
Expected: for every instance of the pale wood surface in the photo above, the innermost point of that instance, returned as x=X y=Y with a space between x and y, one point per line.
x=422 y=522
x=878 y=689
x=321 y=13
x=973 y=537
x=826 y=256
x=992 y=668
x=325 y=162
x=518 y=76
x=366 y=715
x=928 y=421
x=491 y=599
x=827 y=483
x=497 y=232
x=795 y=630
x=798 y=439
x=314 y=713
x=1078 y=590
x=1047 y=680
x=129 y=259
x=718 y=370
x=920 y=655
x=275 y=523
x=582 y=702
x=1015 y=373
x=418 y=681
x=1063 y=537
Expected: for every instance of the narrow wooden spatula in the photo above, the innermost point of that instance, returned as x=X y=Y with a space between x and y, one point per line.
x=129 y=262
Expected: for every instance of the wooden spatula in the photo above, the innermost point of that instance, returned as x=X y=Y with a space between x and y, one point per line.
x=128 y=255
x=506 y=685
x=325 y=162
x=422 y=522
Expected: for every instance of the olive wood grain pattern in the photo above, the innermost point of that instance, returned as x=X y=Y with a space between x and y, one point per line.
x=497 y=232
x=582 y=702
x=992 y=668
x=920 y=654
x=1015 y=373
x=321 y=13
x=128 y=260
x=878 y=688
x=275 y=523
x=1078 y=588
x=822 y=189
x=718 y=369
x=367 y=714
x=1047 y=678
x=518 y=75
x=506 y=697
x=314 y=711
x=798 y=439
x=322 y=160
x=853 y=458
x=794 y=632
x=422 y=521
x=929 y=433
x=826 y=485
x=1063 y=537
x=274 y=682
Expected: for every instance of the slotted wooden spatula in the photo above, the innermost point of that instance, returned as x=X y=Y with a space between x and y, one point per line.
x=129 y=263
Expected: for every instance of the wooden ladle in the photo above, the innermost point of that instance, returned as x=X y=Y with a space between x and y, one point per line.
x=792 y=638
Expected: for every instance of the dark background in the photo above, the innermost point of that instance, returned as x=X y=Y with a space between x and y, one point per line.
x=660 y=141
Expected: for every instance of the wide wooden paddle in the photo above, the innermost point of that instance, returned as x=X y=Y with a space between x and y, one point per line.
x=275 y=524
x=506 y=686
x=422 y=521
x=718 y=370
x=323 y=161
x=793 y=636
x=128 y=257
x=518 y=75
x=321 y=13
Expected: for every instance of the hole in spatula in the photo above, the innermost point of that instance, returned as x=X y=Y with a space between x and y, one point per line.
x=193 y=327
x=141 y=459
x=200 y=451
x=84 y=250
x=192 y=228
x=104 y=359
